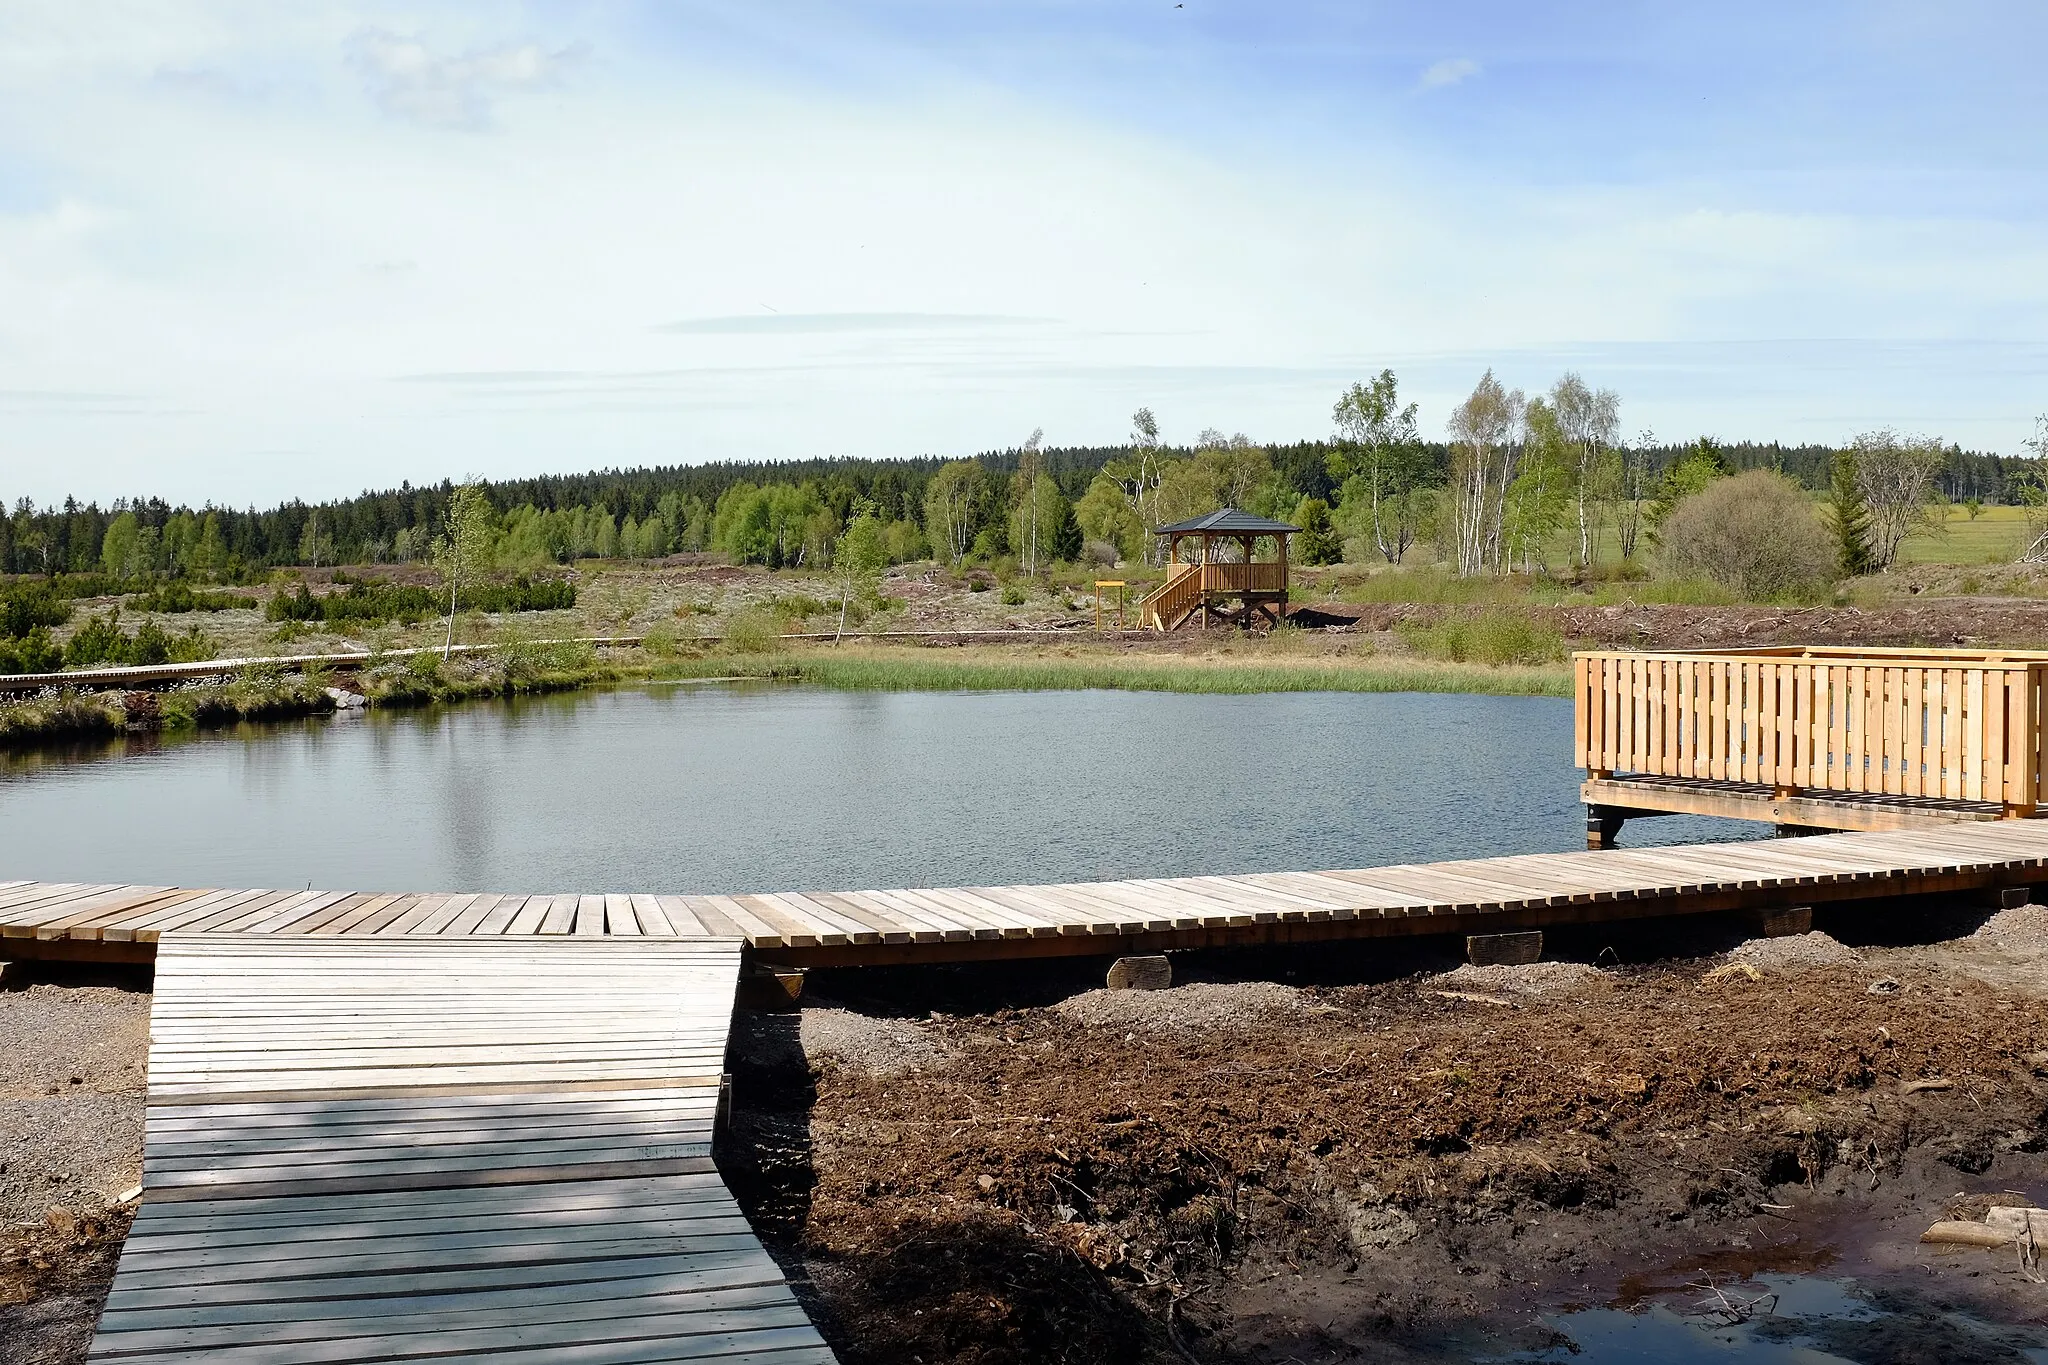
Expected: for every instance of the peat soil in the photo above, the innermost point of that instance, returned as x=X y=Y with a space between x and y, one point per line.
x=1925 y=621
x=1341 y=1154
x=1371 y=1155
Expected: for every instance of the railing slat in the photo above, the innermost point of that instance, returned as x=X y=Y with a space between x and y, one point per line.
x=1959 y=726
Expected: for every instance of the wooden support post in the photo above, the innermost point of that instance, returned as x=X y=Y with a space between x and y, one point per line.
x=1602 y=824
x=770 y=988
x=1151 y=972
x=2006 y=897
x=1504 y=950
x=1794 y=919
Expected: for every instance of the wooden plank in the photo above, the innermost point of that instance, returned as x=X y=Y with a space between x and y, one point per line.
x=560 y=917
x=619 y=916
x=378 y=1226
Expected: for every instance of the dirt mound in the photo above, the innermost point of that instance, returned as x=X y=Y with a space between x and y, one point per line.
x=877 y=1046
x=2024 y=930
x=1535 y=979
x=1795 y=953
x=1201 y=1006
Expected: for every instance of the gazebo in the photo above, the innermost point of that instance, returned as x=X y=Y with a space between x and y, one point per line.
x=1204 y=585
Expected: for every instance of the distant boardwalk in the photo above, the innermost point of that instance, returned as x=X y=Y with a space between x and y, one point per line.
x=458 y=1150
x=816 y=928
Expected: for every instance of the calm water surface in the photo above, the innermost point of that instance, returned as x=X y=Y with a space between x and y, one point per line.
x=718 y=788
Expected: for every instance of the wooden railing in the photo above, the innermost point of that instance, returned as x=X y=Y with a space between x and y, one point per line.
x=1263 y=576
x=1948 y=724
x=1168 y=604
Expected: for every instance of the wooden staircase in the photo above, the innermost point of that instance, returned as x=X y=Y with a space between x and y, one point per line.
x=1172 y=602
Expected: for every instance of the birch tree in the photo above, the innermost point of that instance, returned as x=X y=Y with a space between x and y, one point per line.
x=1587 y=420
x=1378 y=446
x=464 y=549
x=1633 y=496
x=859 y=557
x=1028 y=463
x=1138 y=479
x=1538 y=498
x=949 y=508
x=1483 y=459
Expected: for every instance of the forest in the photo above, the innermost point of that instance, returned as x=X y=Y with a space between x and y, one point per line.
x=1371 y=489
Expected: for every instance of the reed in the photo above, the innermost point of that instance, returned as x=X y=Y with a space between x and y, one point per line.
x=868 y=668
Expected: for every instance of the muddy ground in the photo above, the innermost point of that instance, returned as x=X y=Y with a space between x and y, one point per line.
x=1362 y=1159
x=1339 y=1155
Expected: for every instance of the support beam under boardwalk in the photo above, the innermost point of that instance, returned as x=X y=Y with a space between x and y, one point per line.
x=462 y=1150
x=1612 y=800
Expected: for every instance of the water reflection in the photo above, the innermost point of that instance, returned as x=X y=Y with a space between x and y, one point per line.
x=1787 y=1320
x=741 y=788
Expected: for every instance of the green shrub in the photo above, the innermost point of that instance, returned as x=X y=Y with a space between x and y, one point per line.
x=100 y=642
x=176 y=598
x=1013 y=596
x=752 y=630
x=662 y=640
x=1755 y=533
x=26 y=606
x=35 y=652
x=369 y=603
x=798 y=606
x=1496 y=637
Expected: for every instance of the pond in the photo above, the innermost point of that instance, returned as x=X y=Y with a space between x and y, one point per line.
x=725 y=788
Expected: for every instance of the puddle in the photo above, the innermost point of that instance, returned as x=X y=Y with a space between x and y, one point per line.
x=1780 y=1319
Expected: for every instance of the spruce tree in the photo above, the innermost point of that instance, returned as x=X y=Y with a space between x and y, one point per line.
x=1320 y=543
x=1848 y=516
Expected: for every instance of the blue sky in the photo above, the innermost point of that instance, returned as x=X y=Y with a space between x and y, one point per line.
x=250 y=251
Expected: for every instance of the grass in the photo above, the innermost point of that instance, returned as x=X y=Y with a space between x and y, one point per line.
x=1497 y=637
x=881 y=668
x=1995 y=536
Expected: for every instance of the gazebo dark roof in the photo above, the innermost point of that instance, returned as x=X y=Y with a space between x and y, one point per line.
x=1227 y=522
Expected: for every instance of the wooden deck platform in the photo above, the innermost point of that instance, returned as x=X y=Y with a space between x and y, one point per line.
x=456 y=1149
x=821 y=928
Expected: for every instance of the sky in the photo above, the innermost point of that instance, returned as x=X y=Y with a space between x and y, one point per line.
x=252 y=251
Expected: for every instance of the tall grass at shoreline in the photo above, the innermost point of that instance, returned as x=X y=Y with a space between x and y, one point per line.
x=929 y=670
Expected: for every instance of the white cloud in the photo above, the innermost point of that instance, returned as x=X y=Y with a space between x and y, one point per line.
x=250 y=277
x=408 y=80
x=1449 y=71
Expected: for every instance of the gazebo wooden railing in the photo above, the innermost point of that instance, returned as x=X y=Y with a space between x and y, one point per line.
x=1826 y=737
x=1204 y=584
x=1187 y=584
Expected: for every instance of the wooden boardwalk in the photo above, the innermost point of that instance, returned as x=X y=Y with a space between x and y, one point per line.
x=456 y=1149
x=816 y=928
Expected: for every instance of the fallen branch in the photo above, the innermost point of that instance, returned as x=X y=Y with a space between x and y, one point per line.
x=1951 y=1233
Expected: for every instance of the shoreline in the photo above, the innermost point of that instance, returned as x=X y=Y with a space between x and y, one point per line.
x=263 y=691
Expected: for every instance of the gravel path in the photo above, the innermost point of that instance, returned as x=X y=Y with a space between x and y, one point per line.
x=71 y=1088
